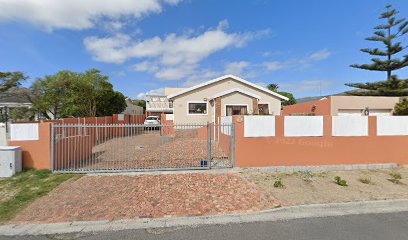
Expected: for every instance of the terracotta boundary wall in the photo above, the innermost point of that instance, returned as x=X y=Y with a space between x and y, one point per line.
x=314 y=151
x=318 y=108
x=114 y=119
x=37 y=154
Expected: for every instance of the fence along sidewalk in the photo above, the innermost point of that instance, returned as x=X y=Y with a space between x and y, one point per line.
x=112 y=148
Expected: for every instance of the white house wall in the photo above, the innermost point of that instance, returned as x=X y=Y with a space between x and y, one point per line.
x=180 y=102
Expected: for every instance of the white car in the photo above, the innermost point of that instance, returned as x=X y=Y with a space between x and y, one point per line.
x=152 y=121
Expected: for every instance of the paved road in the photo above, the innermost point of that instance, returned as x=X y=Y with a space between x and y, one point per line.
x=356 y=227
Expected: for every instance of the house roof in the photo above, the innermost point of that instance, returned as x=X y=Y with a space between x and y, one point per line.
x=236 y=90
x=15 y=97
x=223 y=78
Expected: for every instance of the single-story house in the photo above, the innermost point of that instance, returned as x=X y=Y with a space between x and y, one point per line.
x=224 y=96
x=344 y=106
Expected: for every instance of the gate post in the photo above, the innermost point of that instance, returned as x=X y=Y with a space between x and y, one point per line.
x=209 y=145
x=233 y=144
x=52 y=148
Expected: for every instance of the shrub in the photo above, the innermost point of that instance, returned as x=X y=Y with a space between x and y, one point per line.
x=307 y=176
x=365 y=180
x=340 y=181
x=395 y=177
x=278 y=183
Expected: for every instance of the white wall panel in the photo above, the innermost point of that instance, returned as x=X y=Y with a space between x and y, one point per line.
x=226 y=124
x=303 y=126
x=3 y=135
x=259 y=126
x=392 y=125
x=349 y=126
x=24 y=132
x=170 y=117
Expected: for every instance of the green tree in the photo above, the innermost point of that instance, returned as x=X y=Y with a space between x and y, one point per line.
x=275 y=87
x=10 y=79
x=387 y=34
x=70 y=94
x=391 y=87
x=385 y=60
x=140 y=103
x=401 y=108
x=50 y=94
x=21 y=114
x=291 y=100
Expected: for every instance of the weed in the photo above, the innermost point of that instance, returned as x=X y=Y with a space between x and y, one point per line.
x=307 y=176
x=278 y=183
x=365 y=180
x=395 y=178
x=340 y=181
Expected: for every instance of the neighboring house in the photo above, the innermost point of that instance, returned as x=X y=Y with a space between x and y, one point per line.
x=344 y=106
x=15 y=98
x=160 y=104
x=132 y=109
x=225 y=96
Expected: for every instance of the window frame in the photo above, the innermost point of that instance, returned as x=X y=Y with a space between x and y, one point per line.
x=269 y=112
x=236 y=104
x=197 y=114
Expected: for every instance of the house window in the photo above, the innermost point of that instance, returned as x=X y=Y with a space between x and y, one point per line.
x=236 y=110
x=197 y=108
x=263 y=109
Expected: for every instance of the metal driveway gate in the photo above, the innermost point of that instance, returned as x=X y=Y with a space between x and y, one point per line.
x=78 y=148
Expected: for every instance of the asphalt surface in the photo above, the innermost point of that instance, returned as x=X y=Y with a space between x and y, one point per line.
x=356 y=227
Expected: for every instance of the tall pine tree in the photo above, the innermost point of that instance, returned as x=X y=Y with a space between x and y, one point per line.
x=385 y=60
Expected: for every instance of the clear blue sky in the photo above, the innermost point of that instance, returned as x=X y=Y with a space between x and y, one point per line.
x=145 y=45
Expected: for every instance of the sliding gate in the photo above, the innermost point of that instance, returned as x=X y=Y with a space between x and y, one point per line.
x=115 y=148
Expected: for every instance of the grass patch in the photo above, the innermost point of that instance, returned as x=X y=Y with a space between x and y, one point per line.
x=25 y=187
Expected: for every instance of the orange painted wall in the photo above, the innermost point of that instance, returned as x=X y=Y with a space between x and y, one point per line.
x=37 y=154
x=322 y=108
x=312 y=151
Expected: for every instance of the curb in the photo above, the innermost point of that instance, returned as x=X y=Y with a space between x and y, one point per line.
x=278 y=214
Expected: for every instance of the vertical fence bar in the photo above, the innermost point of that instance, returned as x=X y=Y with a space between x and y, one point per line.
x=52 y=148
x=209 y=145
x=232 y=145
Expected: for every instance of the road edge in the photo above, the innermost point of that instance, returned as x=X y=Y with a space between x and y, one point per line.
x=277 y=214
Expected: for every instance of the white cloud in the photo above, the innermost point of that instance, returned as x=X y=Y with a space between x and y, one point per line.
x=320 y=55
x=145 y=66
x=307 y=87
x=200 y=77
x=172 y=57
x=236 y=68
x=175 y=73
x=76 y=14
x=297 y=63
x=274 y=66
x=142 y=95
